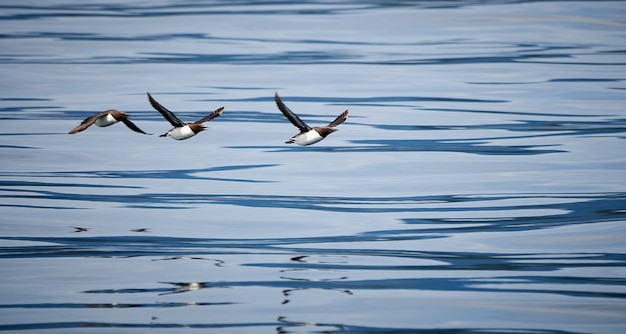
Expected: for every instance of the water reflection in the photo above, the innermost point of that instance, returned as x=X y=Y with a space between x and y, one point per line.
x=521 y=54
x=181 y=287
x=78 y=229
x=281 y=326
x=313 y=274
x=524 y=93
x=592 y=287
x=217 y=262
x=539 y=127
x=22 y=188
x=307 y=275
x=354 y=100
x=104 y=305
x=133 y=325
x=481 y=147
x=290 y=326
x=288 y=292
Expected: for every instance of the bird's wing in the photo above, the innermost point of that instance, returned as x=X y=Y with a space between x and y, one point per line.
x=293 y=118
x=87 y=122
x=340 y=119
x=211 y=116
x=133 y=127
x=169 y=116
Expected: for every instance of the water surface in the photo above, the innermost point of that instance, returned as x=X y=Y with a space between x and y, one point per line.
x=478 y=185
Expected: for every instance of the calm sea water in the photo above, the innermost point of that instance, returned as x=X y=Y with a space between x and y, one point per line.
x=478 y=186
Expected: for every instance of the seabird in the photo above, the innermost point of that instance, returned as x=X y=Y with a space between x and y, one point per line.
x=182 y=130
x=106 y=118
x=308 y=135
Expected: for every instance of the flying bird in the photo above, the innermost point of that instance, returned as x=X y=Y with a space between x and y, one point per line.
x=308 y=135
x=106 y=118
x=182 y=130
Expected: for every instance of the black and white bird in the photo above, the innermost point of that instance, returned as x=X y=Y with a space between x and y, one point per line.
x=308 y=135
x=182 y=130
x=106 y=118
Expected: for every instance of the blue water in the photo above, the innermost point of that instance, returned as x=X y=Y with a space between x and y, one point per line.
x=478 y=185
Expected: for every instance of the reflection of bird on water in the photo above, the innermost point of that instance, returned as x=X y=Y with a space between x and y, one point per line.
x=183 y=287
x=287 y=292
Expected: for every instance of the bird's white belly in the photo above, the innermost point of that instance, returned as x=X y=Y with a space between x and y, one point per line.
x=105 y=121
x=182 y=133
x=308 y=138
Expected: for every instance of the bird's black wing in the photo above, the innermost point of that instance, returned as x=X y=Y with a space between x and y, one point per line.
x=133 y=127
x=293 y=118
x=340 y=119
x=169 y=116
x=211 y=116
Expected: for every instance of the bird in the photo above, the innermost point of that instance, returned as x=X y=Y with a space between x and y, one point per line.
x=106 y=118
x=182 y=130
x=308 y=135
